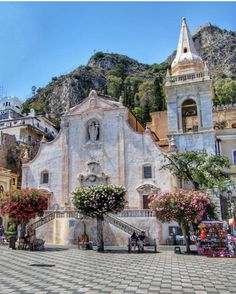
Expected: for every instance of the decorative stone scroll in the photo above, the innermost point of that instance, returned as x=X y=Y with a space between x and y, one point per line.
x=147 y=189
x=93 y=175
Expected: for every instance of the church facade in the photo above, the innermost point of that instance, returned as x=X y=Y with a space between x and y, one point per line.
x=98 y=144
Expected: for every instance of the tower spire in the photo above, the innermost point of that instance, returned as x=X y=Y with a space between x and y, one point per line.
x=187 y=60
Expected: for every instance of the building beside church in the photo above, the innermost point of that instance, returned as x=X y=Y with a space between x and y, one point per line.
x=28 y=128
x=8 y=181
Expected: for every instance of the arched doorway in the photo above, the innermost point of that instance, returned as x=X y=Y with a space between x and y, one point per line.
x=189 y=116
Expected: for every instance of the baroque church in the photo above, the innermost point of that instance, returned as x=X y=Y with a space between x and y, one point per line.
x=100 y=141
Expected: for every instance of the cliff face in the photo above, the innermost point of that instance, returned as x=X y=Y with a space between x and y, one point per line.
x=216 y=46
x=108 y=62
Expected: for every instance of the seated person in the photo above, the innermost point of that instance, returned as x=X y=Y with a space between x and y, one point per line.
x=1 y=234
x=32 y=241
x=84 y=241
x=133 y=241
x=141 y=239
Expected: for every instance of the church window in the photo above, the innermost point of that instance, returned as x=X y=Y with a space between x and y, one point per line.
x=189 y=116
x=93 y=131
x=44 y=177
x=147 y=172
x=234 y=157
x=185 y=50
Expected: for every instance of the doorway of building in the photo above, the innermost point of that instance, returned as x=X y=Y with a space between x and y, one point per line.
x=146 y=202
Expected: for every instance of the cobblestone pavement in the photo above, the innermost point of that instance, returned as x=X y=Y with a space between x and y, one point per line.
x=71 y=270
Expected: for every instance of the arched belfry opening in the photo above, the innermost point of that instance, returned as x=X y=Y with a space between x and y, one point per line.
x=189 y=116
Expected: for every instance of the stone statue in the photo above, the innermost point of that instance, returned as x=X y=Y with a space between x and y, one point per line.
x=93 y=129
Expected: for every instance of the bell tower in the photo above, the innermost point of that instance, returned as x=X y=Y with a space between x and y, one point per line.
x=189 y=98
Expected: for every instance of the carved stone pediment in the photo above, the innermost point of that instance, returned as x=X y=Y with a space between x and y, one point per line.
x=92 y=175
x=147 y=189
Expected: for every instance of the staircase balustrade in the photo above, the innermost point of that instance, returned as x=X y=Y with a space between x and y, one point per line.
x=49 y=215
x=128 y=228
x=136 y=213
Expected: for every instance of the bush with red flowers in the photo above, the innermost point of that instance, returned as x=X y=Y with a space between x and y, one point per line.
x=23 y=205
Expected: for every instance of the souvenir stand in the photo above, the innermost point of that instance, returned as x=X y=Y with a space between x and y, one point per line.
x=213 y=240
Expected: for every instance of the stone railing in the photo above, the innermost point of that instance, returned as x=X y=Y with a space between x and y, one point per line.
x=186 y=78
x=224 y=107
x=42 y=221
x=128 y=228
x=49 y=215
x=136 y=213
x=67 y=213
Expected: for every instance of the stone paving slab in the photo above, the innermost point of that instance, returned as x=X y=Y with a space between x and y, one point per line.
x=69 y=270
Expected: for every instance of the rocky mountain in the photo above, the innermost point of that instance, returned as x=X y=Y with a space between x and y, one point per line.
x=116 y=74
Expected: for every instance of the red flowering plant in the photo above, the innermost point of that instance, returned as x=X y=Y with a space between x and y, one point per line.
x=22 y=205
x=184 y=207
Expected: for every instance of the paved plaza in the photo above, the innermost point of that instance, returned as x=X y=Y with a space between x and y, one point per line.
x=63 y=270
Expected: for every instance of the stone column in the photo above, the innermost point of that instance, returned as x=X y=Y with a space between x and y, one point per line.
x=121 y=150
x=65 y=162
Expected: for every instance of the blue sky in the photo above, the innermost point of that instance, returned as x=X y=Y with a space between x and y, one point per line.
x=40 y=40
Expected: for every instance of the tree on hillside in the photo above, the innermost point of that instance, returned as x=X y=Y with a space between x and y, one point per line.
x=158 y=101
x=199 y=168
x=131 y=88
x=225 y=91
x=146 y=95
x=184 y=207
x=114 y=86
x=97 y=201
x=33 y=89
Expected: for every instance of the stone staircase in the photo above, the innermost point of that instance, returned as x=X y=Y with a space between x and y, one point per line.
x=110 y=218
x=51 y=215
x=117 y=222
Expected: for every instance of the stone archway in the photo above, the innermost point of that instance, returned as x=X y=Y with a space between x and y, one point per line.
x=189 y=116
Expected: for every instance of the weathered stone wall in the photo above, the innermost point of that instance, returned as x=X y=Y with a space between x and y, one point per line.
x=66 y=231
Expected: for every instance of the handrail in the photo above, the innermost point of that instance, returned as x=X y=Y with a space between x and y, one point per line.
x=128 y=228
x=52 y=214
x=43 y=220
